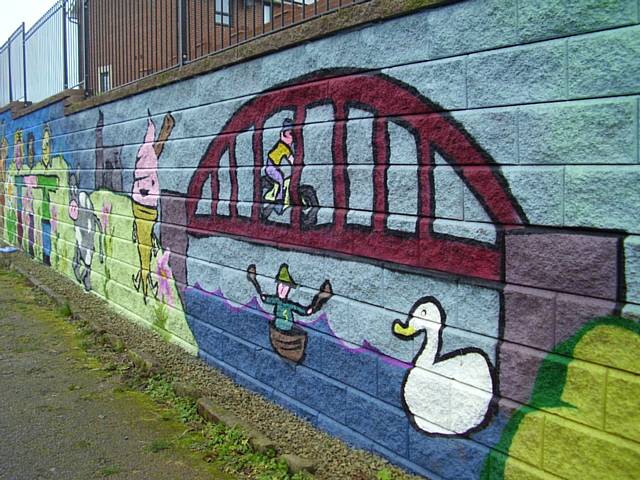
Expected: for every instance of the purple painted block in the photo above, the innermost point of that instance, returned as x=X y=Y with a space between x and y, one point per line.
x=518 y=369
x=573 y=311
x=579 y=263
x=173 y=234
x=529 y=316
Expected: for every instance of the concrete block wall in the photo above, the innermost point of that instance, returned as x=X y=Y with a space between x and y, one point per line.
x=462 y=227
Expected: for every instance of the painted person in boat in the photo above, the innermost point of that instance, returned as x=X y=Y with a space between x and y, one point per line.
x=288 y=339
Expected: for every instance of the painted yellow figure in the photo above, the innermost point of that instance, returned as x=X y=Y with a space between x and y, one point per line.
x=18 y=148
x=46 y=147
x=146 y=194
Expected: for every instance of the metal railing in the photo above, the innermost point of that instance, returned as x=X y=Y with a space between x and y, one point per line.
x=12 y=76
x=104 y=44
x=132 y=39
x=46 y=59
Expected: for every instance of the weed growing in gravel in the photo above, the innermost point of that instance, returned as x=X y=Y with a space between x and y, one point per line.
x=65 y=310
x=159 y=445
x=160 y=390
x=228 y=448
x=384 y=474
x=108 y=471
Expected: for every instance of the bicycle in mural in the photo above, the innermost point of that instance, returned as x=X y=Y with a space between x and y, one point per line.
x=276 y=182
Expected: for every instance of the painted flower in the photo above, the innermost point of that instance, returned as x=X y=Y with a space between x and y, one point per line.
x=18 y=149
x=104 y=215
x=164 y=274
x=30 y=182
x=26 y=201
x=54 y=219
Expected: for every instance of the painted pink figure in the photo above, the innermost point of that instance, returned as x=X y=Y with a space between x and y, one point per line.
x=146 y=187
x=145 y=194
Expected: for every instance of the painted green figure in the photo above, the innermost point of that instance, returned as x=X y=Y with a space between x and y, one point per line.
x=48 y=184
x=284 y=308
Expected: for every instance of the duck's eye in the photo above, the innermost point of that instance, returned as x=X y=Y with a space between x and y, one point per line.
x=424 y=312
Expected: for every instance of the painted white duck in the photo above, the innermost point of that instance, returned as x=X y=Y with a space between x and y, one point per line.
x=443 y=394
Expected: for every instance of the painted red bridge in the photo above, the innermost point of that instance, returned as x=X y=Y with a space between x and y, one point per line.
x=386 y=100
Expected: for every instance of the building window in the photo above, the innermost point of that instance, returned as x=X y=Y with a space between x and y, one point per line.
x=104 y=76
x=223 y=12
x=266 y=12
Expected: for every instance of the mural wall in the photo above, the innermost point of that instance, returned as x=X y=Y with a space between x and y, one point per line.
x=421 y=236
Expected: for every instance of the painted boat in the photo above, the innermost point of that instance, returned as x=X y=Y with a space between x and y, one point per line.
x=290 y=345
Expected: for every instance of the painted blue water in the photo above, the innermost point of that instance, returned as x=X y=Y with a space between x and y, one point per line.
x=351 y=391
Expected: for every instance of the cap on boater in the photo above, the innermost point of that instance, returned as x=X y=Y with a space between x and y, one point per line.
x=285 y=277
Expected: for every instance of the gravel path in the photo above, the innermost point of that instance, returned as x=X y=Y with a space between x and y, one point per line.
x=335 y=460
x=62 y=417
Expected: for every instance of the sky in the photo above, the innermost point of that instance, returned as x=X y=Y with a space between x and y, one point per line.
x=14 y=12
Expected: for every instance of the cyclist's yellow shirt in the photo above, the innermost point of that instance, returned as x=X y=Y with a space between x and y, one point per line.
x=279 y=151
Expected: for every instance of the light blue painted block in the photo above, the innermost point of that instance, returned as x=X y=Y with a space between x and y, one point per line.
x=442 y=82
x=604 y=63
x=495 y=130
x=554 y=18
x=539 y=190
x=535 y=73
x=448 y=193
x=603 y=197
x=632 y=268
x=472 y=26
x=579 y=132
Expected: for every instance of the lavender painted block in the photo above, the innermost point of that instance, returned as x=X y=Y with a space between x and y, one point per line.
x=529 y=316
x=573 y=311
x=518 y=369
x=580 y=263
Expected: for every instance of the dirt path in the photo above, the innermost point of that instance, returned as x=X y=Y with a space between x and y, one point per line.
x=62 y=417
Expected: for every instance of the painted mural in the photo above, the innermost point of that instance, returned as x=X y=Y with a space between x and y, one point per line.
x=347 y=247
x=77 y=229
